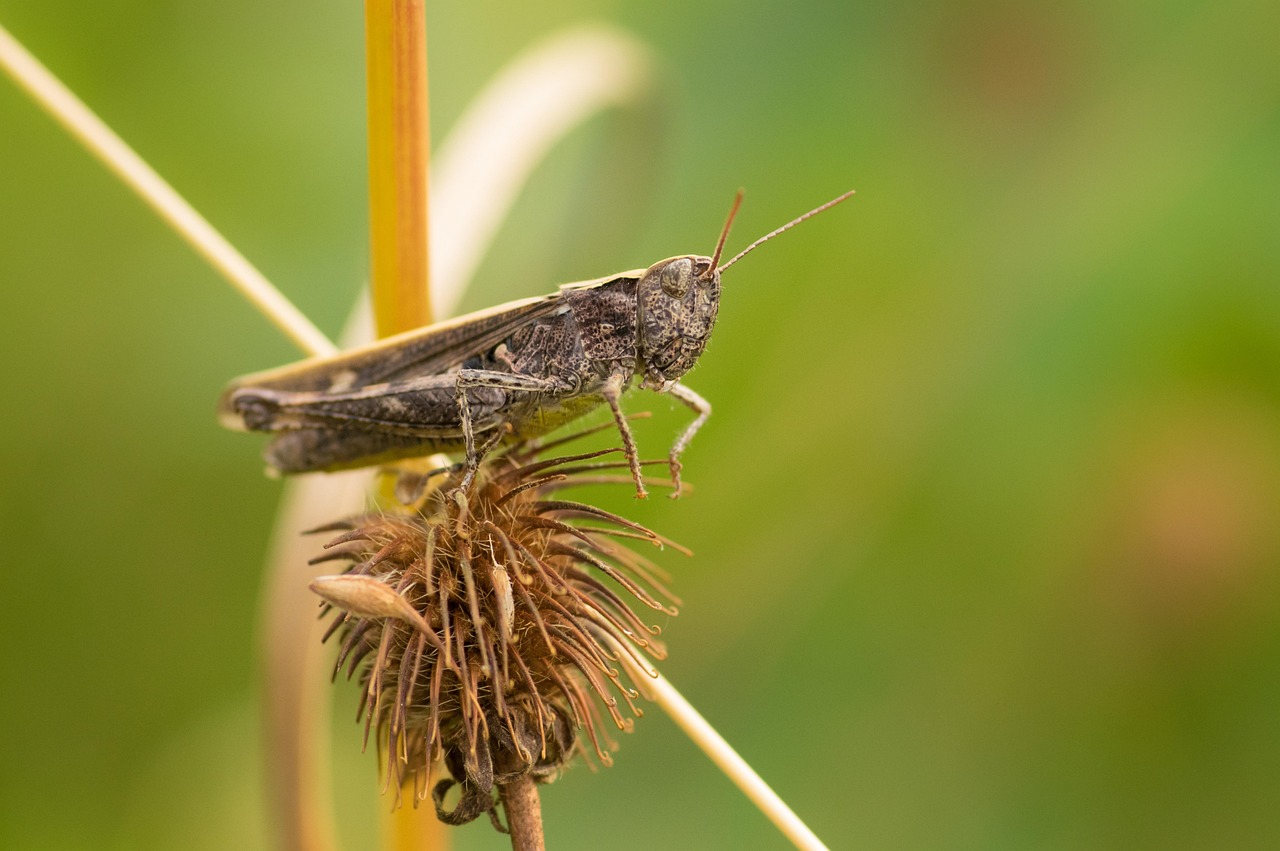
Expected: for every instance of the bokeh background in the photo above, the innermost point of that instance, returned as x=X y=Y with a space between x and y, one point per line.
x=986 y=519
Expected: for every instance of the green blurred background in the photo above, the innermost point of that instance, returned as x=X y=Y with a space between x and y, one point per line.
x=986 y=519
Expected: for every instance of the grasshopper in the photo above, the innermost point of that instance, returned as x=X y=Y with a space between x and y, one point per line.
x=509 y=373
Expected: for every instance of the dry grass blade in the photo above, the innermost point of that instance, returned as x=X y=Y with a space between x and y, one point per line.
x=101 y=141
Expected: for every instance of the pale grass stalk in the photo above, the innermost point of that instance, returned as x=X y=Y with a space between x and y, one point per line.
x=658 y=689
x=477 y=175
x=534 y=102
x=295 y=696
x=78 y=120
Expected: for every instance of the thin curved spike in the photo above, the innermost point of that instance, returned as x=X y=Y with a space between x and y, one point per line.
x=788 y=226
x=724 y=234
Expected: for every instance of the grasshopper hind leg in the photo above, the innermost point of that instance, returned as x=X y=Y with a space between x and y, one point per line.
x=506 y=381
x=474 y=454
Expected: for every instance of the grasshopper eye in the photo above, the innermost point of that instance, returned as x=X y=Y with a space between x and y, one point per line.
x=676 y=278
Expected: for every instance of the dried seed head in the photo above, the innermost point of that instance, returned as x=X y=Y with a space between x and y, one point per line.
x=485 y=625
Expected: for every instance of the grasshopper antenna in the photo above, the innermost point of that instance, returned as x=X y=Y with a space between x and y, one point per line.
x=768 y=236
x=724 y=234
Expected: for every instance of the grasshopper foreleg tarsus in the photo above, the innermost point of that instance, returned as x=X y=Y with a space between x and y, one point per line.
x=699 y=406
x=488 y=378
x=612 y=392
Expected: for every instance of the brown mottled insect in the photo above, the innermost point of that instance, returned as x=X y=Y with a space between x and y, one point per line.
x=511 y=372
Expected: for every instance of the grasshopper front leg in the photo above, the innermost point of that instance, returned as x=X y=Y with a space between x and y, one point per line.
x=488 y=378
x=612 y=392
x=702 y=408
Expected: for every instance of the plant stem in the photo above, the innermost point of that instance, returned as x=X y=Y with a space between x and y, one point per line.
x=399 y=150
x=524 y=814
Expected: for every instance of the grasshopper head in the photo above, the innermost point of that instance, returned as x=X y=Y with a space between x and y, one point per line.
x=678 y=299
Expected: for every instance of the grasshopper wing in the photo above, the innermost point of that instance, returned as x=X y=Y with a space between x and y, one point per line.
x=433 y=350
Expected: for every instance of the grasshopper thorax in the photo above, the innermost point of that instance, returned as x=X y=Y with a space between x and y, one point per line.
x=677 y=300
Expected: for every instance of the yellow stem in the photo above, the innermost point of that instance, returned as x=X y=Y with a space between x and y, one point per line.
x=399 y=150
x=412 y=828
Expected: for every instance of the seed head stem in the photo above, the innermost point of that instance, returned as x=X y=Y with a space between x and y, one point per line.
x=524 y=814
